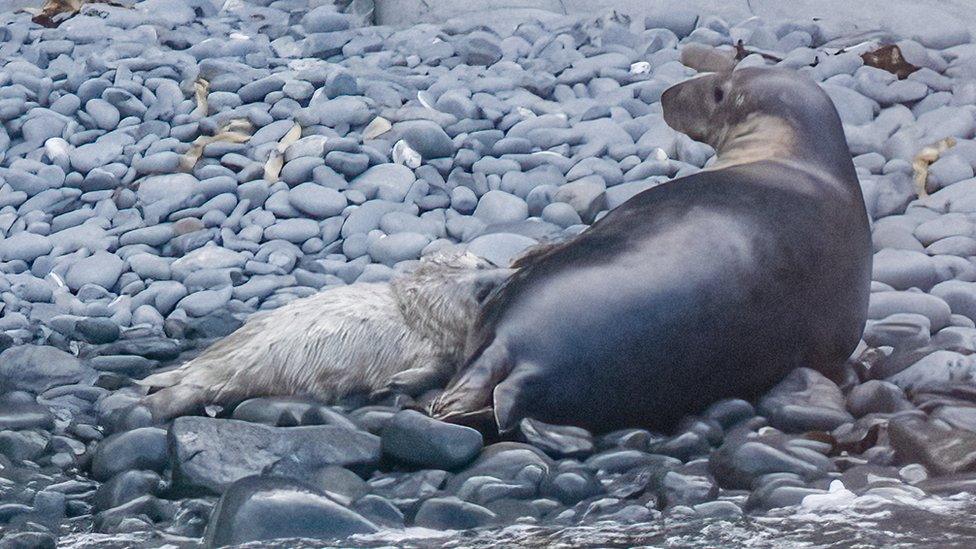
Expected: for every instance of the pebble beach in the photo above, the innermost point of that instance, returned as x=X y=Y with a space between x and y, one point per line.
x=169 y=169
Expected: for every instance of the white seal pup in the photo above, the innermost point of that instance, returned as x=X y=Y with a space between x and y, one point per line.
x=407 y=335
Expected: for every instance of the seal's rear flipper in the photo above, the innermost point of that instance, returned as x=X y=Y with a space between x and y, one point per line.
x=162 y=379
x=179 y=400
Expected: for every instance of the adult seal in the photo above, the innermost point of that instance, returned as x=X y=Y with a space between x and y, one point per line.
x=710 y=286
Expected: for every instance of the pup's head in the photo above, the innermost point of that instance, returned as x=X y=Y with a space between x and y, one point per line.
x=462 y=275
x=446 y=291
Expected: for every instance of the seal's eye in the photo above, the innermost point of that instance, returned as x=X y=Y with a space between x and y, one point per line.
x=719 y=95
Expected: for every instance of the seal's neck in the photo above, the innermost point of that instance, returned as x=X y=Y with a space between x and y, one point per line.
x=759 y=137
x=807 y=145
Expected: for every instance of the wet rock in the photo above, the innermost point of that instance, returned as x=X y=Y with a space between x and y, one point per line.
x=505 y=461
x=876 y=397
x=679 y=489
x=805 y=401
x=37 y=368
x=28 y=540
x=936 y=370
x=730 y=412
x=406 y=490
x=98 y=330
x=571 y=487
x=451 y=513
x=417 y=440
x=941 y=449
x=738 y=462
x=211 y=454
x=24 y=415
x=558 y=441
x=125 y=487
x=289 y=412
x=379 y=511
x=621 y=461
x=139 y=449
x=266 y=508
x=339 y=483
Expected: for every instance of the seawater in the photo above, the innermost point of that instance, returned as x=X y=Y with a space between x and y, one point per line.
x=838 y=522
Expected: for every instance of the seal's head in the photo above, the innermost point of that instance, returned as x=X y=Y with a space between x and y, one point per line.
x=756 y=113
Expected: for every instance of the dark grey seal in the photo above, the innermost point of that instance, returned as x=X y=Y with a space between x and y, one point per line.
x=710 y=286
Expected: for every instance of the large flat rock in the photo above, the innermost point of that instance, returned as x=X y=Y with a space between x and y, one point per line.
x=211 y=454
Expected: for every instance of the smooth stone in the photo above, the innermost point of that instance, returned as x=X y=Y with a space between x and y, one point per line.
x=39 y=368
x=385 y=181
x=417 y=440
x=505 y=461
x=175 y=188
x=738 y=463
x=936 y=371
x=263 y=508
x=140 y=449
x=571 y=487
x=587 y=196
x=98 y=330
x=942 y=450
x=902 y=330
x=451 y=513
x=886 y=303
x=557 y=441
x=805 y=401
x=24 y=415
x=425 y=137
x=679 y=489
x=904 y=269
x=24 y=246
x=125 y=487
x=877 y=397
x=293 y=230
x=101 y=269
x=960 y=295
x=500 y=248
x=392 y=249
x=500 y=207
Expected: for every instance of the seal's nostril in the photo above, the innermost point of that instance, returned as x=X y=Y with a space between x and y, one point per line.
x=719 y=95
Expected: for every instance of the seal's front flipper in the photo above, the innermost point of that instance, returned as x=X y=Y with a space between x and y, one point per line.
x=510 y=398
x=470 y=393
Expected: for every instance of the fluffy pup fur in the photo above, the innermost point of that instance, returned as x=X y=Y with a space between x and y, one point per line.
x=407 y=335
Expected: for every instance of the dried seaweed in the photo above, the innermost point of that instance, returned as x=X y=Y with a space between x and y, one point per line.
x=889 y=58
x=202 y=88
x=55 y=12
x=276 y=160
x=377 y=127
x=925 y=158
x=235 y=131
